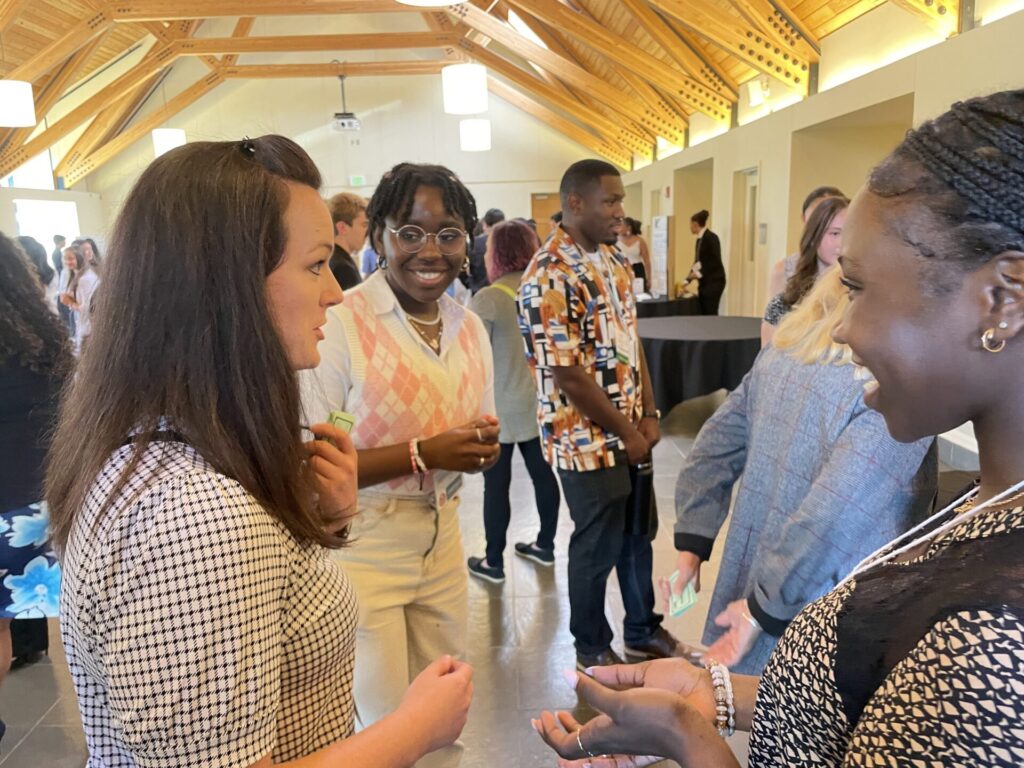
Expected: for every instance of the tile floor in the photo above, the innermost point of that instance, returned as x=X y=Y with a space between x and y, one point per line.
x=519 y=641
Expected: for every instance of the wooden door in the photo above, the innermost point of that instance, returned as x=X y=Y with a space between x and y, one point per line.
x=542 y=206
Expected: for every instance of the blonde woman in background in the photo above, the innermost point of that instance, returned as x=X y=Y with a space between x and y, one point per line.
x=814 y=465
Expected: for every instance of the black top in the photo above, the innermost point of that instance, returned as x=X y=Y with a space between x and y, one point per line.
x=28 y=414
x=345 y=270
x=477 y=265
x=709 y=254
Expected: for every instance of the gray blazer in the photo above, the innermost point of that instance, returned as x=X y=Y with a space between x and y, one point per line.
x=821 y=485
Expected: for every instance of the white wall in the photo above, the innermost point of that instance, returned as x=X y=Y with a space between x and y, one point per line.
x=91 y=218
x=402 y=120
x=977 y=62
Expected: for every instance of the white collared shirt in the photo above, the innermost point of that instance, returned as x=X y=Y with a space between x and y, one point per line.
x=376 y=367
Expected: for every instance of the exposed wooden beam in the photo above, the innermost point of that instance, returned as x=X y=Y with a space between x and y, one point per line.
x=617 y=154
x=549 y=40
x=54 y=88
x=117 y=90
x=242 y=28
x=571 y=73
x=59 y=50
x=111 y=119
x=292 y=43
x=941 y=15
x=647 y=94
x=9 y=10
x=659 y=31
x=693 y=93
x=162 y=10
x=348 y=69
x=140 y=129
x=763 y=15
x=750 y=46
x=614 y=132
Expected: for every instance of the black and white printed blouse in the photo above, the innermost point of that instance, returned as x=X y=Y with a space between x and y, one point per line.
x=911 y=664
x=198 y=631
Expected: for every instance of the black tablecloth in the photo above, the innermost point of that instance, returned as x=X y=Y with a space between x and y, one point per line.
x=667 y=307
x=693 y=356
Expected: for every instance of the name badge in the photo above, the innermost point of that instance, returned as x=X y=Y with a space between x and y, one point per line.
x=446 y=487
x=625 y=347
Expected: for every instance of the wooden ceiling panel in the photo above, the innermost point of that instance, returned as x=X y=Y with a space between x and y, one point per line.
x=662 y=63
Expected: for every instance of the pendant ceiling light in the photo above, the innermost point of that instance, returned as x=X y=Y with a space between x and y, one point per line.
x=464 y=87
x=166 y=139
x=17 y=110
x=475 y=135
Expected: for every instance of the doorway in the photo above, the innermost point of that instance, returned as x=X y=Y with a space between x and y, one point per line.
x=746 y=237
x=692 y=191
x=542 y=206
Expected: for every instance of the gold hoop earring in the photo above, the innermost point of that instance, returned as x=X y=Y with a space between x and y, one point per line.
x=988 y=341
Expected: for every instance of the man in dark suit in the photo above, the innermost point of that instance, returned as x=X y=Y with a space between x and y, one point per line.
x=707 y=265
x=348 y=212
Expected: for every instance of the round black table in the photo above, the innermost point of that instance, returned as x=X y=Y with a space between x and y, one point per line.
x=694 y=356
x=667 y=307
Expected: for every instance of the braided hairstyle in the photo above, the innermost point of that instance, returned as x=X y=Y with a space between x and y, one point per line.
x=964 y=174
x=394 y=197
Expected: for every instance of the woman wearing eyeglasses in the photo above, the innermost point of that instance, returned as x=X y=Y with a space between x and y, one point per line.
x=415 y=370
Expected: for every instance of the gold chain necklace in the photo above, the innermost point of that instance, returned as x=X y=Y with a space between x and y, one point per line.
x=433 y=343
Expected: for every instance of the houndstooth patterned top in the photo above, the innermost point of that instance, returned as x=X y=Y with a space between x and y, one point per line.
x=198 y=631
x=956 y=699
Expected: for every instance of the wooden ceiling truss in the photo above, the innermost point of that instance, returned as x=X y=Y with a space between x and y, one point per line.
x=611 y=75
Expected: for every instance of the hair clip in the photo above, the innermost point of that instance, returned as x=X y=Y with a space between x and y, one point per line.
x=248 y=146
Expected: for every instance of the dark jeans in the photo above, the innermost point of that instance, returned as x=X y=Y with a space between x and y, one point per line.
x=498 y=511
x=597 y=505
x=709 y=297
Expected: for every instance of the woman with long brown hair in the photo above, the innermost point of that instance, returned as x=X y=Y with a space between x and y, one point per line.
x=819 y=250
x=34 y=359
x=203 y=620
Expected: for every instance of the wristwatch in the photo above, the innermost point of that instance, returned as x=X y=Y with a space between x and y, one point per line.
x=655 y=414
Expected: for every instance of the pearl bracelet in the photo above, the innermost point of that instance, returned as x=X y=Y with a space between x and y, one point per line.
x=725 y=703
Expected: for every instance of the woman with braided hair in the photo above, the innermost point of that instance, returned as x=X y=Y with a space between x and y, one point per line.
x=917 y=657
x=415 y=371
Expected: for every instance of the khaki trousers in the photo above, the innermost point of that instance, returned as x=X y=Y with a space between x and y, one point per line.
x=407 y=565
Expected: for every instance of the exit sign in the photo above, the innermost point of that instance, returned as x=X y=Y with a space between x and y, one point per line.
x=357 y=181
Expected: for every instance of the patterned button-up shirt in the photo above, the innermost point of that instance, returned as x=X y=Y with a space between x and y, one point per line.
x=577 y=309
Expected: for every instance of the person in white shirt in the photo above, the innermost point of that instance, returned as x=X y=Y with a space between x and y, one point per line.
x=415 y=371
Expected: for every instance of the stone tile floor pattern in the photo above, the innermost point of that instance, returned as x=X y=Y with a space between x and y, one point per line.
x=519 y=641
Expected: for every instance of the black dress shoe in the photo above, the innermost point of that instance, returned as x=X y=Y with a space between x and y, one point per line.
x=605 y=658
x=663 y=645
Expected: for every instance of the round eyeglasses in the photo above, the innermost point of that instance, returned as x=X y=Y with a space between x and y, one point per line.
x=413 y=239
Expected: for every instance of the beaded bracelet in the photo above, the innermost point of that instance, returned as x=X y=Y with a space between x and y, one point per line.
x=725 y=704
x=419 y=467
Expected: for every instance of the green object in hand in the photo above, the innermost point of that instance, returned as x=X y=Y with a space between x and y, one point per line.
x=342 y=420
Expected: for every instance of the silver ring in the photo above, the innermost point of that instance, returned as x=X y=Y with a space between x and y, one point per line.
x=583 y=749
x=479 y=435
x=482 y=461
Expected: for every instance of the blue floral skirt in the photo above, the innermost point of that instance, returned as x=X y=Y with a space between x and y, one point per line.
x=29 y=572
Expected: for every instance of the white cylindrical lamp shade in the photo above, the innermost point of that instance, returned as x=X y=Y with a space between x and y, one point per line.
x=17 y=109
x=475 y=135
x=464 y=87
x=166 y=139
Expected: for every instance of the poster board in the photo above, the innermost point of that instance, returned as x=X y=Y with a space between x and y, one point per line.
x=661 y=247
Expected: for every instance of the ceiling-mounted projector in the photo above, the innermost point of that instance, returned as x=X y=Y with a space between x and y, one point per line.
x=345 y=121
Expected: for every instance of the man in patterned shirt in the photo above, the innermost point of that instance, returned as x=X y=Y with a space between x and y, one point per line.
x=596 y=408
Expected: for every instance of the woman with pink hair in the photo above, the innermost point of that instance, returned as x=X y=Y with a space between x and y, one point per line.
x=510 y=247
